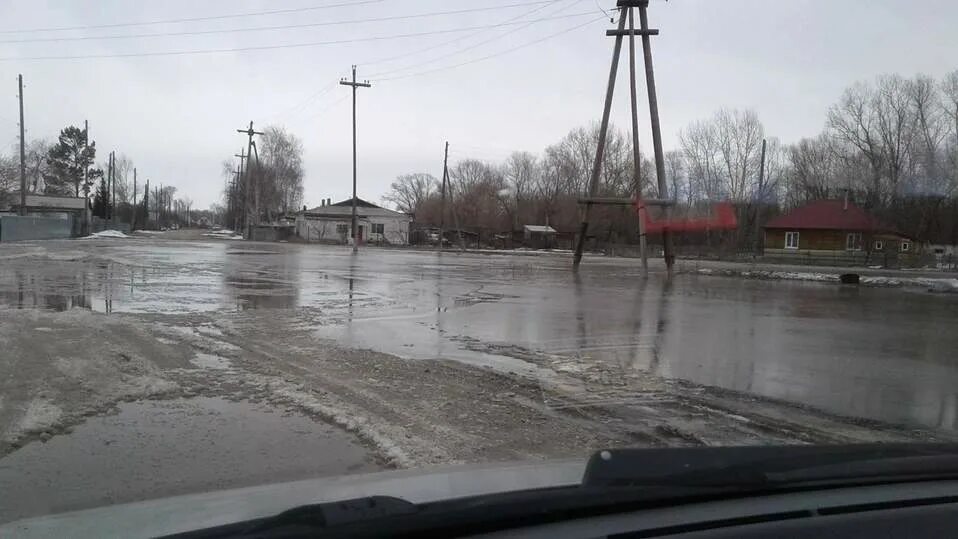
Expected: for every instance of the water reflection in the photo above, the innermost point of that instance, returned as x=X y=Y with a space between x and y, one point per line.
x=25 y=290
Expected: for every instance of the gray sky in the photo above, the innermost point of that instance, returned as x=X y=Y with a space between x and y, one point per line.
x=176 y=116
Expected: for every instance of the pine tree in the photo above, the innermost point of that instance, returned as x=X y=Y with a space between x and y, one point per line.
x=101 y=200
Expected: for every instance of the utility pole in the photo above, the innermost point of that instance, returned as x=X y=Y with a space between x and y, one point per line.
x=625 y=12
x=146 y=202
x=636 y=157
x=600 y=148
x=113 y=191
x=442 y=199
x=23 y=155
x=761 y=196
x=133 y=217
x=249 y=149
x=86 y=170
x=109 y=183
x=654 y=117
x=354 y=84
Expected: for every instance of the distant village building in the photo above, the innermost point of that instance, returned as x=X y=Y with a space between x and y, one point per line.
x=330 y=223
x=52 y=216
x=539 y=236
x=837 y=230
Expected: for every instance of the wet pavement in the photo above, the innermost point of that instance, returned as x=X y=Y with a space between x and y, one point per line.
x=156 y=449
x=254 y=363
x=879 y=354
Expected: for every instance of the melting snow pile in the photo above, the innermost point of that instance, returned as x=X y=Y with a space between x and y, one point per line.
x=224 y=235
x=105 y=234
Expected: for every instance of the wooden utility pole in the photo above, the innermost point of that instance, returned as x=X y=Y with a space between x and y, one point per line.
x=761 y=197
x=146 y=203
x=108 y=203
x=654 y=117
x=23 y=155
x=600 y=148
x=113 y=191
x=636 y=157
x=625 y=12
x=134 y=208
x=248 y=184
x=442 y=197
x=354 y=85
x=86 y=170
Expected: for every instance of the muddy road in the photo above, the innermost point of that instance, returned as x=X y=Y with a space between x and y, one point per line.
x=395 y=358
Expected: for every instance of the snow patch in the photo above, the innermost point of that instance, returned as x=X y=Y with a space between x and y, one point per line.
x=40 y=415
x=224 y=235
x=105 y=234
x=211 y=361
x=351 y=421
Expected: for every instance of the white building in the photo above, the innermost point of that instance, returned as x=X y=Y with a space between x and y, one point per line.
x=330 y=223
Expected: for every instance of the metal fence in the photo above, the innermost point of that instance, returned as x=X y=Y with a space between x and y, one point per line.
x=19 y=228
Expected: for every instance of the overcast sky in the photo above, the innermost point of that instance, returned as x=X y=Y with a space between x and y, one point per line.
x=176 y=116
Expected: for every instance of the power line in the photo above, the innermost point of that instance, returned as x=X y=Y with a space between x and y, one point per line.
x=275 y=27
x=281 y=46
x=481 y=43
x=190 y=19
x=448 y=42
x=494 y=55
x=317 y=94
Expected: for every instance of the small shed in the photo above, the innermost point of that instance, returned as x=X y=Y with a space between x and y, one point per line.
x=539 y=236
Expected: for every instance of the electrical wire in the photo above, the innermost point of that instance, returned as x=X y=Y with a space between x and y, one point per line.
x=494 y=55
x=451 y=41
x=281 y=46
x=190 y=19
x=319 y=93
x=325 y=109
x=481 y=43
x=276 y=27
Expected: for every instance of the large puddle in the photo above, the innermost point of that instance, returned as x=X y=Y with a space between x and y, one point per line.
x=875 y=353
x=157 y=449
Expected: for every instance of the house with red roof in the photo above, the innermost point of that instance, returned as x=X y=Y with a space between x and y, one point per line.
x=836 y=229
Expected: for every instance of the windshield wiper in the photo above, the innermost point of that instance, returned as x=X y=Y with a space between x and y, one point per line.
x=614 y=481
x=769 y=466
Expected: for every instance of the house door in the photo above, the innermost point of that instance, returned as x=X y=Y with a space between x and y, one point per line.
x=361 y=235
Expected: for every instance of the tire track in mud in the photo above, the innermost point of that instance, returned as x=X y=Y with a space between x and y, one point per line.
x=415 y=412
x=436 y=410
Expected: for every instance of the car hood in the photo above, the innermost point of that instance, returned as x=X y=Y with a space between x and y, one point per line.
x=196 y=511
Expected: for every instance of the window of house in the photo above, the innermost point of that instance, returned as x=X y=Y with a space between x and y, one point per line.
x=905 y=246
x=342 y=229
x=879 y=245
x=378 y=228
x=853 y=241
x=791 y=240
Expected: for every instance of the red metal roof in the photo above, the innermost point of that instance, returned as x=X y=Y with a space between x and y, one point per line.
x=827 y=215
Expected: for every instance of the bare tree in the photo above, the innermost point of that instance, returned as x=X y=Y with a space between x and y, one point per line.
x=675 y=174
x=813 y=170
x=409 y=191
x=279 y=172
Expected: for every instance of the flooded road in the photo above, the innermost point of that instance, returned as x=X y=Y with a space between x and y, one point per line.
x=881 y=354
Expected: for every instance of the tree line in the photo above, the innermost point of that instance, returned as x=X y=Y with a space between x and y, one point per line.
x=68 y=166
x=891 y=143
x=275 y=178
